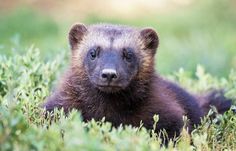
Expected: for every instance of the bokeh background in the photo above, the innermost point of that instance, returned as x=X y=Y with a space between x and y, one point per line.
x=191 y=32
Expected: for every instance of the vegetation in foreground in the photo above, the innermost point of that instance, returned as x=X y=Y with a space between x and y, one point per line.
x=26 y=80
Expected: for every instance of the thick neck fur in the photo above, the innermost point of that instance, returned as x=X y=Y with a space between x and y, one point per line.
x=102 y=104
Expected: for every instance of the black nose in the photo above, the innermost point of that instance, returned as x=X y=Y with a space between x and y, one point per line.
x=109 y=75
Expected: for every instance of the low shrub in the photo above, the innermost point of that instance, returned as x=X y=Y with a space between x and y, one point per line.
x=26 y=80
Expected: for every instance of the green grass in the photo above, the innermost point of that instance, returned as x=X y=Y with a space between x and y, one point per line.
x=202 y=33
x=24 y=27
x=26 y=80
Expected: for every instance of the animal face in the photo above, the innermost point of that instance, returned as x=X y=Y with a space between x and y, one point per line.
x=112 y=56
x=111 y=69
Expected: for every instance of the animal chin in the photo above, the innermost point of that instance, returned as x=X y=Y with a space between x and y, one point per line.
x=109 y=88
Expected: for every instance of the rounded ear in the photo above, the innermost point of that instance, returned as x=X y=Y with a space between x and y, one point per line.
x=76 y=35
x=150 y=39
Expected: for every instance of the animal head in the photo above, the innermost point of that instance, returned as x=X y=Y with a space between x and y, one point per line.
x=112 y=56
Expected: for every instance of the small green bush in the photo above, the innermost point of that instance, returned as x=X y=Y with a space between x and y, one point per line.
x=26 y=80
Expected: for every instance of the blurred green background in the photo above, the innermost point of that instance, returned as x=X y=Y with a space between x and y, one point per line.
x=191 y=31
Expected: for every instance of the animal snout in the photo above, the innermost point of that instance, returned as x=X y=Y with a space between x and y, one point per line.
x=109 y=75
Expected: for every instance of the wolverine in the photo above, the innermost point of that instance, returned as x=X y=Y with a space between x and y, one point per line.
x=111 y=74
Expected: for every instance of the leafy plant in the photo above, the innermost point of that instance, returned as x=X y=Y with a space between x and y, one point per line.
x=26 y=80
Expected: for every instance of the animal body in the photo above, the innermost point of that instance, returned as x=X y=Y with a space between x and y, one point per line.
x=112 y=75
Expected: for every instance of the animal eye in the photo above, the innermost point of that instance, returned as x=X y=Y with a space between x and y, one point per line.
x=128 y=55
x=93 y=53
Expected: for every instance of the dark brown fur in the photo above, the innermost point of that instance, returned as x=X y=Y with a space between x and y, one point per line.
x=147 y=94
